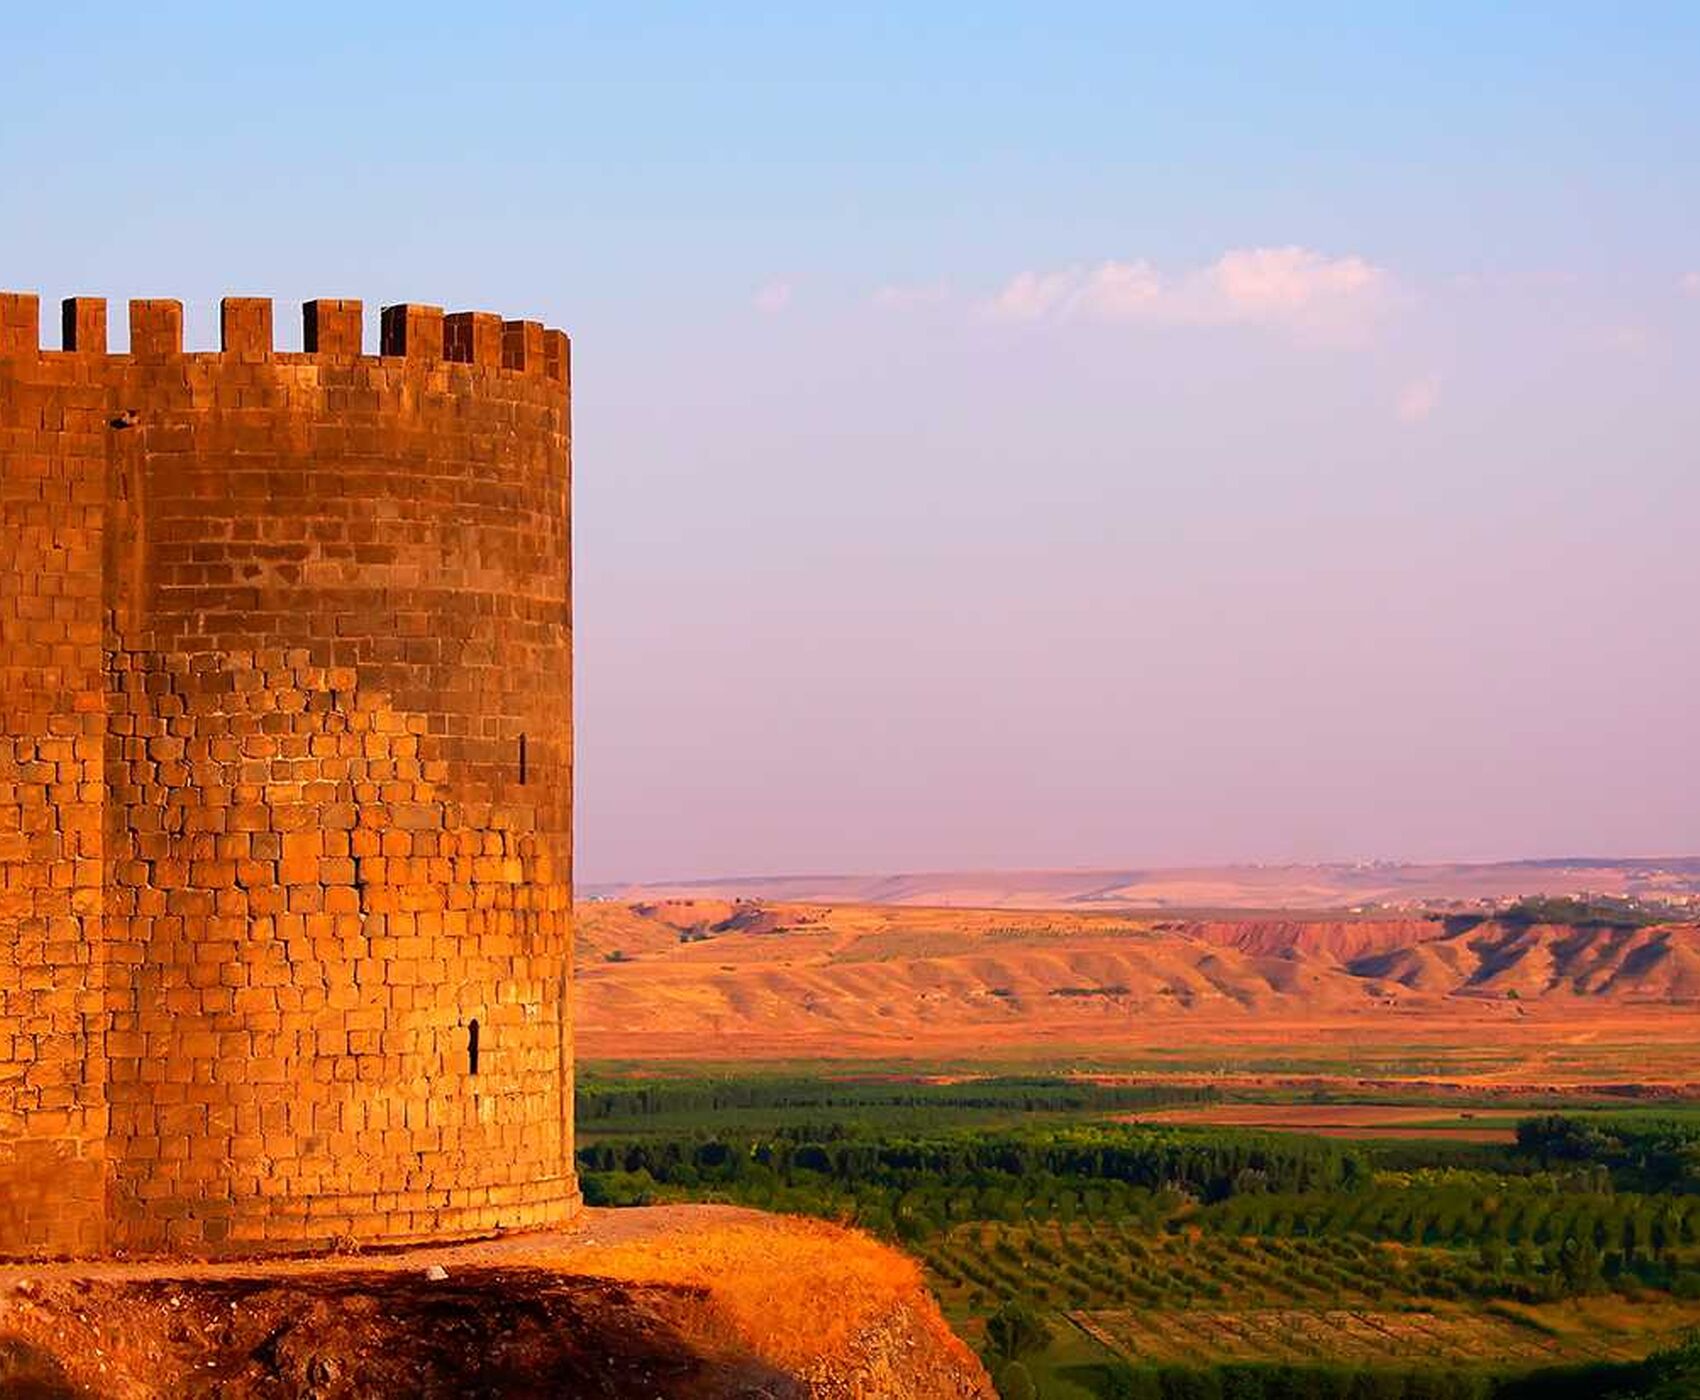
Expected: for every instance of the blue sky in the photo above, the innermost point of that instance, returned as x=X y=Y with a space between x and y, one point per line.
x=1008 y=435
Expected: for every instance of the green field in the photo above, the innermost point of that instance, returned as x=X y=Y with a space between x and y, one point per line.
x=1087 y=1256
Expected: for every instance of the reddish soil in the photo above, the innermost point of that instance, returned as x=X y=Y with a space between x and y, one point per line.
x=671 y=1302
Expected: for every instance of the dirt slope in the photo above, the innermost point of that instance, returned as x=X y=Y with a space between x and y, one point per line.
x=683 y=1303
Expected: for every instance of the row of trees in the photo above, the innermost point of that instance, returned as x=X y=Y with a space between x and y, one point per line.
x=1115 y=1268
x=1651 y=1154
x=1673 y=1374
x=604 y=1104
x=1466 y=1211
x=1211 y=1167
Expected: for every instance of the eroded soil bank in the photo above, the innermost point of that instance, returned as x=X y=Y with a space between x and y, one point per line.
x=683 y=1302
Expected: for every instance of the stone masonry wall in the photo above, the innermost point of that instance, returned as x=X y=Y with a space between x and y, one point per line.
x=329 y=977
x=52 y=684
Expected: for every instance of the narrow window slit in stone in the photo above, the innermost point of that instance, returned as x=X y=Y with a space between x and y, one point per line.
x=523 y=765
x=472 y=1046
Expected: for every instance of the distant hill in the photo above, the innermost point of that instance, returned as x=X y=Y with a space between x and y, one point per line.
x=720 y=978
x=1270 y=887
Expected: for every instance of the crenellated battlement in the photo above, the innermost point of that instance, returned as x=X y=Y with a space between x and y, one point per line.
x=331 y=329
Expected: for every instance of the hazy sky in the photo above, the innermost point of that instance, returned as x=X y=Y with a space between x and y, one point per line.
x=1007 y=435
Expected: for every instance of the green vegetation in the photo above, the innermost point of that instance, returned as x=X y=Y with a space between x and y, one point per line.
x=1650 y=1152
x=1571 y=911
x=1096 y=1258
x=1595 y=1061
x=614 y=1106
x=1576 y=912
x=914 y=1186
x=1016 y=1330
x=1669 y=1374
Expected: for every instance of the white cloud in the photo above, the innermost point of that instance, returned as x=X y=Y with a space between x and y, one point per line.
x=901 y=297
x=1418 y=399
x=1300 y=289
x=1690 y=283
x=1028 y=296
x=1118 y=291
x=1270 y=283
x=773 y=298
x=1109 y=291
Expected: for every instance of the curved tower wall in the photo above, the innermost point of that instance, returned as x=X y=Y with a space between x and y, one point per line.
x=327 y=998
x=52 y=794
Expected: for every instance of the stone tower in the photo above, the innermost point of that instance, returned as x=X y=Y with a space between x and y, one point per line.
x=285 y=781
